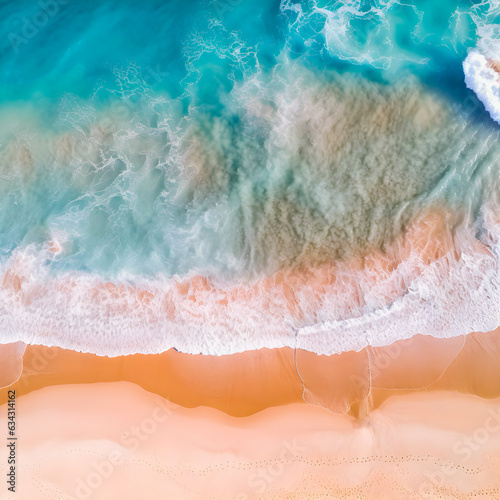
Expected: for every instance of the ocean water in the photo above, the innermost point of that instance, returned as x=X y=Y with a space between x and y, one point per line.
x=172 y=172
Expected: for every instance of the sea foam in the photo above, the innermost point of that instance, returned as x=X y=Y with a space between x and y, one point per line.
x=484 y=80
x=429 y=283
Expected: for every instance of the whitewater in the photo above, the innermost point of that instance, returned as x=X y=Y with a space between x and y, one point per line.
x=324 y=178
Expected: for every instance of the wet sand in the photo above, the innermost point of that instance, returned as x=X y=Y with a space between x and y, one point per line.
x=11 y=362
x=245 y=383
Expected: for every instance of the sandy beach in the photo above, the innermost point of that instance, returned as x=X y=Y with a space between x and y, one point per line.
x=115 y=440
x=271 y=423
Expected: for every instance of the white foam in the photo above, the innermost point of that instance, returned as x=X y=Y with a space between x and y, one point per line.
x=484 y=81
x=445 y=299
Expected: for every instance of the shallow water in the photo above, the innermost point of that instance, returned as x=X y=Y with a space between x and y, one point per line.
x=234 y=140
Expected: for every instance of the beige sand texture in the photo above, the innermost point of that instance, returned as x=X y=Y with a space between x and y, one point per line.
x=117 y=441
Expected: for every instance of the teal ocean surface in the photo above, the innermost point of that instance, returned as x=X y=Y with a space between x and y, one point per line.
x=144 y=144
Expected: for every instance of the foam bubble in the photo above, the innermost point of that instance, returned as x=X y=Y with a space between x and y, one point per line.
x=482 y=77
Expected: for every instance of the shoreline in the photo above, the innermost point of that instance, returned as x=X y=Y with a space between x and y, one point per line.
x=334 y=307
x=246 y=383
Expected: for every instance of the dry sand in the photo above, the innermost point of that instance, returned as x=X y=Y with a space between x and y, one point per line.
x=117 y=441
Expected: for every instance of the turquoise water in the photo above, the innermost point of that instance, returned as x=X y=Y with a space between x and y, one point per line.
x=77 y=47
x=234 y=138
